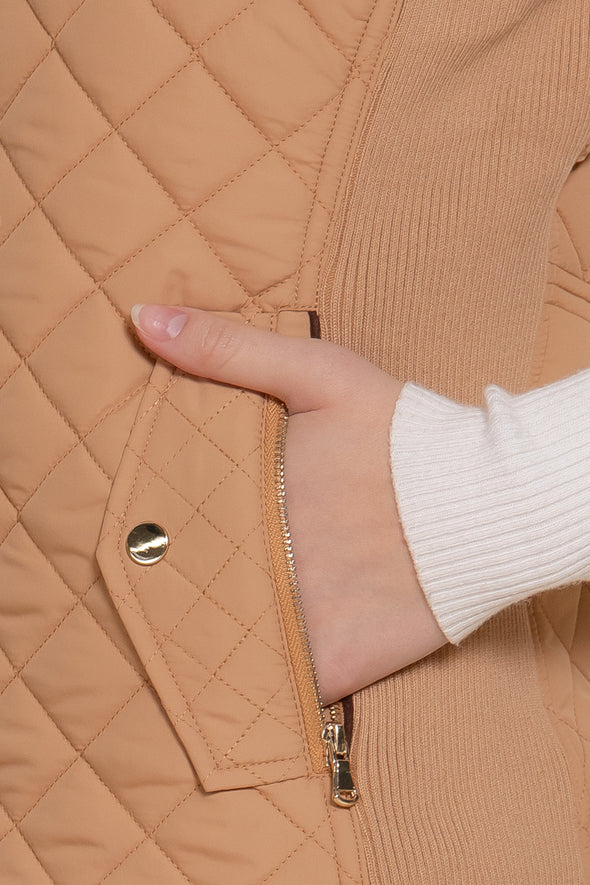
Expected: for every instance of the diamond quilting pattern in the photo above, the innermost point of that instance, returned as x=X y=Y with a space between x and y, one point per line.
x=254 y=220
x=197 y=30
x=54 y=16
x=310 y=73
x=36 y=294
x=70 y=537
x=108 y=206
x=120 y=371
x=143 y=51
x=65 y=679
x=52 y=103
x=21 y=469
x=146 y=789
x=26 y=46
x=177 y=267
x=43 y=743
x=22 y=630
x=187 y=662
x=79 y=804
x=333 y=20
x=193 y=136
x=124 y=201
x=16 y=198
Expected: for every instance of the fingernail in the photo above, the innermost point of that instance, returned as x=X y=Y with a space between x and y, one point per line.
x=158 y=321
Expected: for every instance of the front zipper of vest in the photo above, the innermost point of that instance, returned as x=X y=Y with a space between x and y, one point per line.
x=329 y=720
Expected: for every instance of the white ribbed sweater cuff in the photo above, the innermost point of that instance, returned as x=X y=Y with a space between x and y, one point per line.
x=494 y=501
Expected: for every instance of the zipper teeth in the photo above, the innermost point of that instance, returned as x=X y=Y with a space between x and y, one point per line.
x=292 y=574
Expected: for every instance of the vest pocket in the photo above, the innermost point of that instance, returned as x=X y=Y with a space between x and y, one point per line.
x=185 y=553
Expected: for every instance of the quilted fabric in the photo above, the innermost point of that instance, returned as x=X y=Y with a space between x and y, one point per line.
x=171 y=151
x=214 y=652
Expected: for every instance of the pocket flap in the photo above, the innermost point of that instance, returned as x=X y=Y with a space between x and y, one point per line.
x=204 y=618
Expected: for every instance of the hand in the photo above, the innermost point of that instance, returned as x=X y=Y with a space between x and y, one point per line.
x=366 y=613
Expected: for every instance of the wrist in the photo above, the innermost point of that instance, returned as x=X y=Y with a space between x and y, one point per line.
x=491 y=499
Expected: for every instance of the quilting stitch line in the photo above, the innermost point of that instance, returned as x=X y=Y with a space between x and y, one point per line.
x=348 y=80
x=233 y=100
x=79 y=757
x=16 y=828
x=78 y=600
x=215 y=675
x=132 y=585
x=114 y=129
x=328 y=36
x=205 y=595
x=52 y=39
x=236 y=548
x=309 y=836
x=150 y=838
x=188 y=711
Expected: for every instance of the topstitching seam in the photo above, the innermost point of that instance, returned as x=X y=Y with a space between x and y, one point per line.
x=583 y=266
x=132 y=585
x=358 y=116
x=79 y=756
x=308 y=836
x=52 y=39
x=200 y=60
x=327 y=142
x=15 y=827
x=78 y=600
x=114 y=129
x=150 y=835
x=327 y=35
x=300 y=260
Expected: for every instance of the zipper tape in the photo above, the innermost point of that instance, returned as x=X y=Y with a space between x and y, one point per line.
x=324 y=726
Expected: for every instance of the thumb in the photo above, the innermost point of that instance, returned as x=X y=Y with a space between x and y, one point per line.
x=305 y=373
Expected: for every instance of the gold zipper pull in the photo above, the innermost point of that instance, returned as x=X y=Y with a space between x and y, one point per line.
x=343 y=789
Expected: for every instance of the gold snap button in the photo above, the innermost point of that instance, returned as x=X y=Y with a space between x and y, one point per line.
x=147 y=543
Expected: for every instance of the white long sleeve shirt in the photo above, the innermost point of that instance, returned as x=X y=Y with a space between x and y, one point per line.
x=494 y=501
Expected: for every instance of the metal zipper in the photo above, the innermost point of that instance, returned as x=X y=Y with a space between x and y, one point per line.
x=329 y=719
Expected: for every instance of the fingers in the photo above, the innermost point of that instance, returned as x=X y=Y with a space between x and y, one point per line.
x=305 y=374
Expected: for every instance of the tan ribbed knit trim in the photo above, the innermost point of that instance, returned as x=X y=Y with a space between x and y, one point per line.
x=437 y=258
x=459 y=774
x=435 y=271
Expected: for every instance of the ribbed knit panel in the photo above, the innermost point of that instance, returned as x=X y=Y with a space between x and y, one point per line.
x=437 y=263
x=450 y=797
x=435 y=270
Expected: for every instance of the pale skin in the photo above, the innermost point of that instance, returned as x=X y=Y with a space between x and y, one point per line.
x=366 y=613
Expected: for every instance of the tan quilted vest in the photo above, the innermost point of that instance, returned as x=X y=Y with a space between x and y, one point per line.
x=158 y=724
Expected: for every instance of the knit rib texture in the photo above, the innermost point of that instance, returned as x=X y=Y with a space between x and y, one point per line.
x=437 y=266
x=435 y=270
x=446 y=802
x=495 y=501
